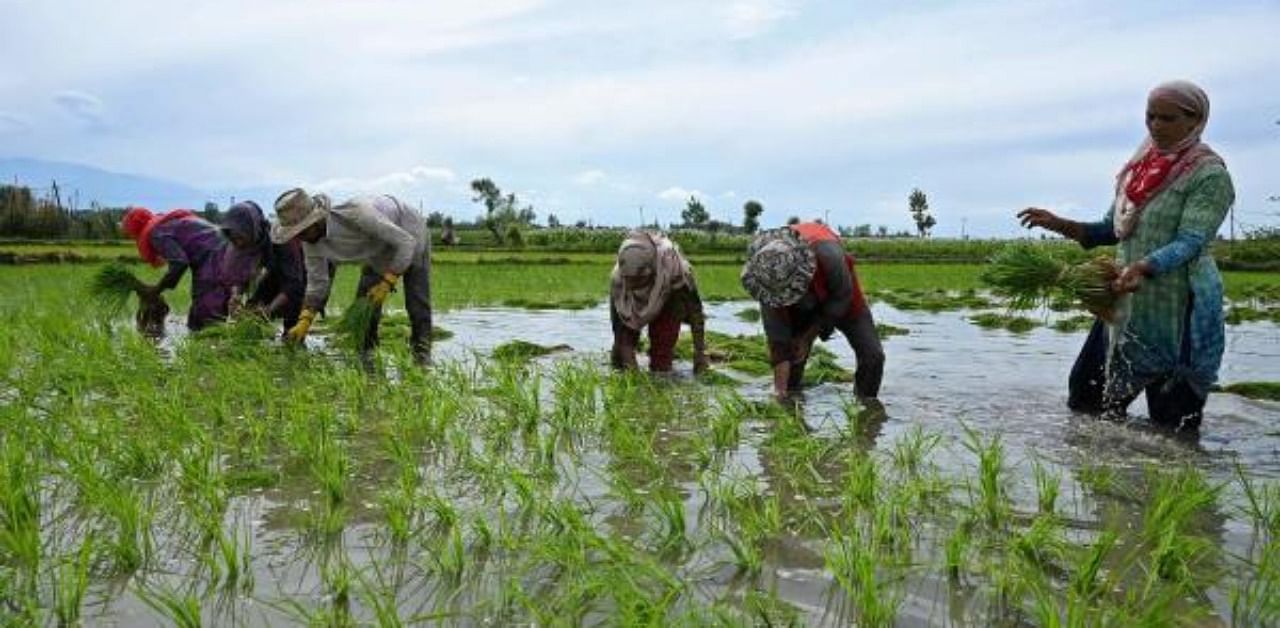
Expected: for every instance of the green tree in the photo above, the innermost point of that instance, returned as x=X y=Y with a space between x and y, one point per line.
x=695 y=214
x=794 y=220
x=751 y=211
x=918 y=205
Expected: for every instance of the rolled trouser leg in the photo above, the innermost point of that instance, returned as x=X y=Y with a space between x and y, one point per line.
x=417 y=300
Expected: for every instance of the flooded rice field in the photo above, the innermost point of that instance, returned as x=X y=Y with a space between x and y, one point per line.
x=204 y=486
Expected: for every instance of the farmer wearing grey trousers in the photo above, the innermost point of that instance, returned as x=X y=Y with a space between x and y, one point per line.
x=387 y=236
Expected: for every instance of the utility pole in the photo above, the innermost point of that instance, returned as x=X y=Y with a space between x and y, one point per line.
x=642 y=216
x=964 y=222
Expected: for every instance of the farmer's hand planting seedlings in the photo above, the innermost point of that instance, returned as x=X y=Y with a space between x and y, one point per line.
x=298 y=333
x=380 y=291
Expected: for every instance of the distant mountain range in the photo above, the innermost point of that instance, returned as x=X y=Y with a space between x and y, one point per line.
x=82 y=185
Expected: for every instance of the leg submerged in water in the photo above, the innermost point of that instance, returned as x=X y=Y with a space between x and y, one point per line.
x=417 y=300
x=860 y=331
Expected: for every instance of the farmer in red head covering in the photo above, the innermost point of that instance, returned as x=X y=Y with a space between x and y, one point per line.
x=1168 y=338
x=183 y=241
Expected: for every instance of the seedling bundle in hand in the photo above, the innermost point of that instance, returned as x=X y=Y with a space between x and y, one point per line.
x=1030 y=276
x=356 y=321
x=112 y=286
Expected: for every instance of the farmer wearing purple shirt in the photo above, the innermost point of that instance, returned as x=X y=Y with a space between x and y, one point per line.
x=184 y=241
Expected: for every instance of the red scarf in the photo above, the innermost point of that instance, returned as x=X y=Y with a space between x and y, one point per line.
x=1148 y=174
x=145 y=248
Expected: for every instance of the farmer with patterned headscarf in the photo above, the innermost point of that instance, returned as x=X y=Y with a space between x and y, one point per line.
x=184 y=241
x=652 y=285
x=388 y=237
x=272 y=274
x=807 y=288
x=1167 y=340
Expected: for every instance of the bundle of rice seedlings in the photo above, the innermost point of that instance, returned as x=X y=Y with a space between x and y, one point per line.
x=112 y=286
x=1028 y=276
x=356 y=321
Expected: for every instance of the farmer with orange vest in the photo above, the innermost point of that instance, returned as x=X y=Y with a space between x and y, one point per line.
x=807 y=288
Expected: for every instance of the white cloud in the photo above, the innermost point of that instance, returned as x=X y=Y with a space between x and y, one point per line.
x=745 y=19
x=589 y=177
x=401 y=181
x=677 y=193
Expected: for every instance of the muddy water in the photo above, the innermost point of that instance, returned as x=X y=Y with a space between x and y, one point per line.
x=945 y=374
x=948 y=373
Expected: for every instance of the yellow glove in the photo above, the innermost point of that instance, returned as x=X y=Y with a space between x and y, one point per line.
x=298 y=332
x=378 y=293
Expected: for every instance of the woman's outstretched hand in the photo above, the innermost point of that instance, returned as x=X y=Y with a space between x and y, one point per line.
x=1043 y=218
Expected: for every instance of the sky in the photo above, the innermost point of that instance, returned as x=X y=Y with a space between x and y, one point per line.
x=617 y=111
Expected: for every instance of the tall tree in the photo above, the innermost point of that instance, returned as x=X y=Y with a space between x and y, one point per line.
x=751 y=211
x=918 y=205
x=695 y=214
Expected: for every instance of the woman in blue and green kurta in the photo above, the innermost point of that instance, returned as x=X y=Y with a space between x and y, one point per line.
x=1167 y=336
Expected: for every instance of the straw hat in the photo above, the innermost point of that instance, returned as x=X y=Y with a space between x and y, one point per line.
x=295 y=211
x=779 y=267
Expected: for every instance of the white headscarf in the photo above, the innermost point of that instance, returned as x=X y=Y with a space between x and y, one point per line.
x=1191 y=152
x=644 y=253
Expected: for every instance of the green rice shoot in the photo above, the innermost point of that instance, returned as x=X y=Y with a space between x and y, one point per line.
x=1030 y=276
x=353 y=326
x=112 y=286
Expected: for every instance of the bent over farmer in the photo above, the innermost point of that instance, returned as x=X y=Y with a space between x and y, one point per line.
x=383 y=233
x=183 y=241
x=807 y=288
x=652 y=284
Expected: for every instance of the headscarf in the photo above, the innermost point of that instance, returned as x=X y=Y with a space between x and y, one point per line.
x=1151 y=170
x=246 y=219
x=645 y=253
x=780 y=265
x=138 y=222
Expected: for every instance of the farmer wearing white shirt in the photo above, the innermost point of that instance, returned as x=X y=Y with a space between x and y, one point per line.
x=386 y=235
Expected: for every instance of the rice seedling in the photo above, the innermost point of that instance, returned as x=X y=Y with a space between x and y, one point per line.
x=356 y=322
x=179 y=609
x=854 y=562
x=1085 y=579
x=1047 y=488
x=1030 y=276
x=111 y=287
x=70 y=583
x=991 y=495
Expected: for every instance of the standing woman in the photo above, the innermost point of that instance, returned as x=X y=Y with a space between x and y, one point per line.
x=1167 y=338
x=652 y=285
x=183 y=241
x=281 y=280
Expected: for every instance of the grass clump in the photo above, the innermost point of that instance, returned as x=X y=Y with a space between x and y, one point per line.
x=1030 y=276
x=523 y=351
x=1073 y=324
x=749 y=355
x=885 y=330
x=1015 y=324
x=1269 y=391
x=750 y=315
